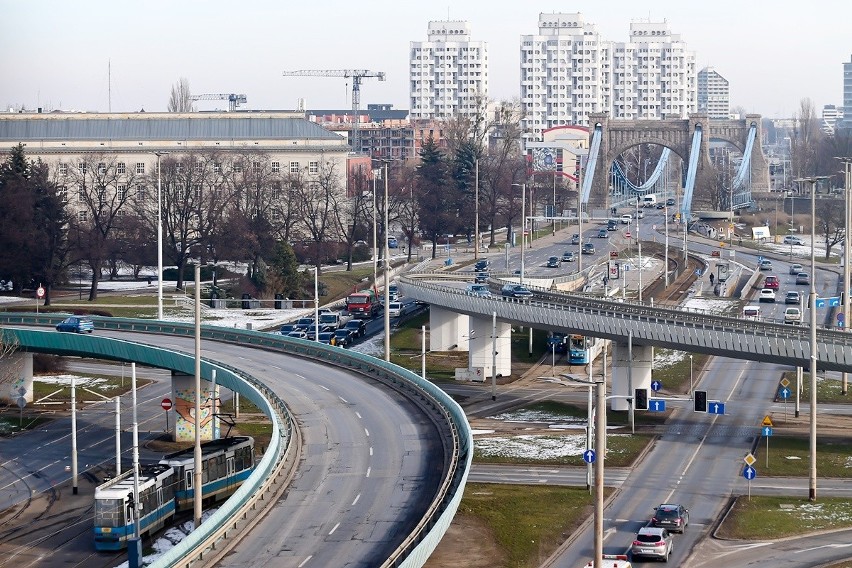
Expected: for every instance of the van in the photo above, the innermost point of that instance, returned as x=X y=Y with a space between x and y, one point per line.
x=751 y=313
x=626 y=219
x=649 y=200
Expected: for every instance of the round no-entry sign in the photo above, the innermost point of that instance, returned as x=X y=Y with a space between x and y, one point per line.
x=40 y=292
x=166 y=404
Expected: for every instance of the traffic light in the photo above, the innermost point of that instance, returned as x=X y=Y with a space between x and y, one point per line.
x=700 y=400
x=640 y=399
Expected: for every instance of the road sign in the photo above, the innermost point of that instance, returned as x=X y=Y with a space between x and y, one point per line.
x=820 y=302
x=759 y=259
x=614 y=272
x=166 y=404
x=589 y=456
x=749 y=472
x=766 y=431
x=40 y=292
x=716 y=407
x=656 y=385
x=22 y=402
x=785 y=382
x=749 y=459
x=784 y=392
x=613 y=254
x=840 y=318
x=767 y=421
x=657 y=405
x=834 y=301
x=627 y=234
x=700 y=401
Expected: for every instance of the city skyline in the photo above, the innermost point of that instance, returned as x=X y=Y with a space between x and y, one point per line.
x=70 y=56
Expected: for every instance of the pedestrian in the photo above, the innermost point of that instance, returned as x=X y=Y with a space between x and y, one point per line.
x=711 y=278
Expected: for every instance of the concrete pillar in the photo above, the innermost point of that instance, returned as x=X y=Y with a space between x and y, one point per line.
x=447 y=330
x=16 y=371
x=640 y=372
x=183 y=399
x=481 y=347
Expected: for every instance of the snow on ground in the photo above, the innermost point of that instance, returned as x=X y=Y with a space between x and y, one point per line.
x=170 y=537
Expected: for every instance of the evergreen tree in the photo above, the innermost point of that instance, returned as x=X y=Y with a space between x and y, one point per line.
x=434 y=194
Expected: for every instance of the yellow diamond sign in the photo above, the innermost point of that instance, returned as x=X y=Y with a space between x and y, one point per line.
x=767 y=421
x=784 y=382
x=749 y=459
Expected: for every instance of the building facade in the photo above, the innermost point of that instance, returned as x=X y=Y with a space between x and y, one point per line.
x=448 y=73
x=714 y=98
x=847 y=94
x=832 y=116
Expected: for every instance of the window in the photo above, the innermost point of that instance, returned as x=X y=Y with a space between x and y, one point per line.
x=313 y=167
x=62 y=193
x=140 y=167
x=294 y=167
x=82 y=216
x=255 y=166
x=276 y=167
x=238 y=168
x=101 y=195
x=197 y=190
x=276 y=190
x=82 y=167
x=101 y=168
x=122 y=192
x=217 y=168
x=140 y=192
x=63 y=169
x=81 y=195
x=179 y=167
x=121 y=168
x=199 y=167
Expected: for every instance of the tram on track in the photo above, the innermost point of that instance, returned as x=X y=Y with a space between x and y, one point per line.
x=582 y=349
x=166 y=488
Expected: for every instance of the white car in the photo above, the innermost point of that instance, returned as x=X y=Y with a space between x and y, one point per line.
x=793 y=315
x=793 y=240
x=626 y=219
x=767 y=295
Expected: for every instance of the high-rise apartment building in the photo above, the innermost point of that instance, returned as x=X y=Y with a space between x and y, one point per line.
x=847 y=94
x=569 y=71
x=448 y=73
x=714 y=96
x=832 y=117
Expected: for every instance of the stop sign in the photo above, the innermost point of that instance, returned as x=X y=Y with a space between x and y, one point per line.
x=166 y=404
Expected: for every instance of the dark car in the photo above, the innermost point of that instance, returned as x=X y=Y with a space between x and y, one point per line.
x=343 y=337
x=356 y=327
x=661 y=205
x=575 y=239
x=553 y=262
x=76 y=324
x=569 y=256
x=670 y=202
x=516 y=291
x=302 y=324
x=287 y=328
x=602 y=234
x=588 y=248
x=481 y=265
x=481 y=277
x=671 y=516
x=612 y=225
x=328 y=337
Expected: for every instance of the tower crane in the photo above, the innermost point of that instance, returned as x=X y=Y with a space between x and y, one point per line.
x=356 y=75
x=233 y=100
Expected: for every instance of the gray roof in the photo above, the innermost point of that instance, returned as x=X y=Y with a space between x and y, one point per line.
x=204 y=128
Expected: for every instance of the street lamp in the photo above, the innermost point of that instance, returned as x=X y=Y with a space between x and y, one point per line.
x=523 y=187
x=847 y=270
x=159 y=238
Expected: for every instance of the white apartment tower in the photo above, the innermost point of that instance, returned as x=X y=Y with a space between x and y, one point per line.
x=448 y=73
x=565 y=74
x=714 y=97
x=653 y=75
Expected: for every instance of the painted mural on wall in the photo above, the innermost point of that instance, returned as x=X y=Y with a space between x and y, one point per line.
x=185 y=422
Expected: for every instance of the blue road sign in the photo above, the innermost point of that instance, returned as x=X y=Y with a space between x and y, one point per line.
x=716 y=407
x=766 y=431
x=840 y=319
x=656 y=385
x=759 y=259
x=784 y=392
x=749 y=472
x=656 y=405
x=820 y=302
x=589 y=456
x=834 y=301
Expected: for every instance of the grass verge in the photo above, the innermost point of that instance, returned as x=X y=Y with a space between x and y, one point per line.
x=828 y=390
x=790 y=456
x=761 y=518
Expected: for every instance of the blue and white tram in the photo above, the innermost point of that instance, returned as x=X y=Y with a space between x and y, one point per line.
x=225 y=464
x=582 y=349
x=115 y=507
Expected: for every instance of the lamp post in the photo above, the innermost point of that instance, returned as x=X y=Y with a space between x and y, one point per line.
x=523 y=187
x=847 y=270
x=476 y=215
x=159 y=238
x=666 y=261
x=387 y=271
x=316 y=303
x=691 y=384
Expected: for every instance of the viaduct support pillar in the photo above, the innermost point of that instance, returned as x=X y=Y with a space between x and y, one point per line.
x=183 y=399
x=447 y=330
x=16 y=371
x=482 y=347
x=628 y=375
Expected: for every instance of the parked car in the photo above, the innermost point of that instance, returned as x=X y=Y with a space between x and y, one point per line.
x=793 y=315
x=569 y=256
x=516 y=291
x=553 y=262
x=575 y=239
x=792 y=297
x=652 y=542
x=793 y=240
x=767 y=295
x=771 y=281
x=588 y=248
x=671 y=516
x=765 y=265
x=795 y=268
x=602 y=234
x=357 y=327
x=76 y=324
x=803 y=279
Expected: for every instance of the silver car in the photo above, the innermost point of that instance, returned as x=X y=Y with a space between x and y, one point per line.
x=652 y=542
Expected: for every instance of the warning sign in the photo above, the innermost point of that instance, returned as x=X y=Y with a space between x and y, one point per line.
x=767 y=421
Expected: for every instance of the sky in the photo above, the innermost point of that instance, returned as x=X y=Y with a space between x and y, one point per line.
x=94 y=55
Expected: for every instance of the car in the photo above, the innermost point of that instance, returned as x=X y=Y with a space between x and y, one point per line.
x=553 y=262
x=328 y=337
x=792 y=297
x=793 y=240
x=751 y=312
x=478 y=289
x=765 y=265
x=771 y=281
x=515 y=291
x=626 y=219
x=661 y=205
x=602 y=234
x=612 y=225
x=588 y=248
x=640 y=214
x=76 y=324
x=671 y=516
x=357 y=327
x=286 y=328
x=399 y=309
x=670 y=202
x=480 y=277
x=792 y=315
x=303 y=324
x=652 y=542
x=795 y=268
x=575 y=239
x=767 y=295
x=343 y=337
x=393 y=243
x=803 y=279
x=569 y=256
x=481 y=265
x=298 y=334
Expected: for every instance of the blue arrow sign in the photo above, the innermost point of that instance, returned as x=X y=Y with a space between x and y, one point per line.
x=716 y=408
x=766 y=431
x=834 y=301
x=589 y=456
x=820 y=302
x=656 y=385
x=749 y=472
x=784 y=392
x=656 y=405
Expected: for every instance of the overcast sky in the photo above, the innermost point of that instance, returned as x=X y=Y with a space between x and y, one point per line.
x=57 y=54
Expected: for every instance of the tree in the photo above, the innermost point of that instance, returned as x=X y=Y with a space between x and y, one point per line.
x=318 y=196
x=805 y=140
x=180 y=99
x=434 y=198
x=502 y=166
x=283 y=274
x=830 y=219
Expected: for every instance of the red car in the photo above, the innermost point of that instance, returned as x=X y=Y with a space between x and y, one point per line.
x=771 y=282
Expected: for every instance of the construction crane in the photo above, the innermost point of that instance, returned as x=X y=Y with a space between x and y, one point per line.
x=233 y=100
x=356 y=75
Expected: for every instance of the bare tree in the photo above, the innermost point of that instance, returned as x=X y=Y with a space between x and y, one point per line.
x=180 y=99
x=318 y=196
x=830 y=219
x=502 y=166
x=805 y=140
x=8 y=346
